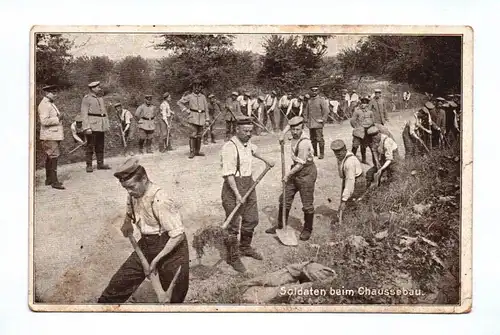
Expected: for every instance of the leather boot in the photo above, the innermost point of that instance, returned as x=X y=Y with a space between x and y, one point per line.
x=321 y=150
x=363 y=155
x=163 y=146
x=212 y=136
x=48 y=172
x=55 y=182
x=192 y=144
x=272 y=230
x=148 y=146
x=89 y=162
x=198 y=147
x=141 y=146
x=233 y=255
x=315 y=148
x=100 y=162
x=308 y=226
x=205 y=139
x=246 y=248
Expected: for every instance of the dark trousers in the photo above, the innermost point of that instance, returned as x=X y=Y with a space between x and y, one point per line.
x=316 y=136
x=302 y=182
x=283 y=118
x=390 y=171
x=269 y=116
x=95 y=143
x=412 y=146
x=196 y=130
x=131 y=274
x=248 y=211
x=230 y=128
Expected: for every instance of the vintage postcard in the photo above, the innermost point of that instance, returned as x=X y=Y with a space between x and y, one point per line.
x=251 y=169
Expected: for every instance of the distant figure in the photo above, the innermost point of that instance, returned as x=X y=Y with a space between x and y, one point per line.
x=295 y=107
x=362 y=120
x=126 y=118
x=214 y=108
x=145 y=115
x=283 y=107
x=315 y=114
x=233 y=110
x=406 y=98
x=166 y=122
x=379 y=107
x=271 y=103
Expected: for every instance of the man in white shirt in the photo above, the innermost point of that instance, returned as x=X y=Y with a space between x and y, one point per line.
x=245 y=104
x=77 y=130
x=295 y=107
x=283 y=107
x=166 y=122
x=126 y=118
x=163 y=239
x=236 y=161
x=271 y=105
x=387 y=154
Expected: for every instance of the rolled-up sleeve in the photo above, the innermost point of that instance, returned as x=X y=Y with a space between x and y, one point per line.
x=305 y=148
x=350 y=179
x=168 y=213
x=389 y=147
x=228 y=159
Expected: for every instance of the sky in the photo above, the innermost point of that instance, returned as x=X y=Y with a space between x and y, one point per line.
x=117 y=46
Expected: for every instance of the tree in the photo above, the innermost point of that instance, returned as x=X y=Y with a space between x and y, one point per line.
x=51 y=59
x=133 y=73
x=292 y=62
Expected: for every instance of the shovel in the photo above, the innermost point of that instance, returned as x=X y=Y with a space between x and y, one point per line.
x=286 y=235
x=163 y=296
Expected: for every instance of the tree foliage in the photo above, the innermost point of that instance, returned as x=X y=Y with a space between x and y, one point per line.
x=52 y=58
x=84 y=70
x=133 y=73
x=428 y=63
x=291 y=62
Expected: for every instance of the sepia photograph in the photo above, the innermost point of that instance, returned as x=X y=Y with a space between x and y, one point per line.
x=251 y=169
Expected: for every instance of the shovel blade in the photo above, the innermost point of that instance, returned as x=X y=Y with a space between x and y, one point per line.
x=287 y=236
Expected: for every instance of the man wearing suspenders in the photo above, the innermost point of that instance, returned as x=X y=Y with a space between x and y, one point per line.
x=236 y=160
x=351 y=173
x=163 y=240
x=388 y=157
x=301 y=178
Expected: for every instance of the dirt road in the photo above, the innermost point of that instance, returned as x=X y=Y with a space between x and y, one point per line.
x=78 y=245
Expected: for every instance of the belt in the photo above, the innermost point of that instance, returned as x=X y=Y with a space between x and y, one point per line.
x=99 y=115
x=146 y=118
x=195 y=110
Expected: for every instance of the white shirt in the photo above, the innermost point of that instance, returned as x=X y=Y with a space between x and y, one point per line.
x=165 y=109
x=74 y=132
x=126 y=116
x=295 y=103
x=229 y=156
x=245 y=105
x=349 y=169
x=155 y=213
x=354 y=97
x=335 y=105
x=284 y=102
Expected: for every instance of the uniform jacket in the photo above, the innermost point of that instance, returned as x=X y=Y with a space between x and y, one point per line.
x=233 y=106
x=379 y=108
x=198 y=108
x=94 y=114
x=51 y=128
x=146 y=116
x=316 y=109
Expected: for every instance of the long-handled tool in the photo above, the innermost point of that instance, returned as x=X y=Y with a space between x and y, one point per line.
x=286 y=235
x=77 y=147
x=168 y=134
x=163 y=296
x=210 y=125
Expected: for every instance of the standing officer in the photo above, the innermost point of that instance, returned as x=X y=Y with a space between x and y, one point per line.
x=314 y=114
x=379 y=108
x=301 y=178
x=350 y=172
x=362 y=120
x=163 y=240
x=51 y=135
x=145 y=115
x=214 y=108
x=233 y=110
x=271 y=102
x=236 y=160
x=166 y=122
x=95 y=122
x=196 y=104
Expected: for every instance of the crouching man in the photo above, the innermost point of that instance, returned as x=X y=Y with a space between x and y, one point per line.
x=163 y=240
x=388 y=158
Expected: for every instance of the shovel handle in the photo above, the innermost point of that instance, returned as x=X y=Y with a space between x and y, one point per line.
x=139 y=252
x=250 y=190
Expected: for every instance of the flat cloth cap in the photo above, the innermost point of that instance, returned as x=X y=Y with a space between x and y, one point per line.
x=234 y=93
x=441 y=99
x=242 y=120
x=295 y=121
x=273 y=92
x=118 y=104
x=166 y=95
x=307 y=96
x=452 y=104
x=429 y=105
x=94 y=84
x=337 y=145
x=378 y=90
x=365 y=98
x=128 y=169
x=211 y=95
x=261 y=98
x=314 y=88
x=148 y=96
x=49 y=88
x=78 y=118
x=246 y=94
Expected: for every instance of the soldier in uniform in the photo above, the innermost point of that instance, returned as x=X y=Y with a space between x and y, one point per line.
x=163 y=239
x=166 y=122
x=301 y=177
x=126 y=118
x=362 y=120
x=236 y=160
x=96 y=123
x=214 y=108
x=233 y=110
x=51 y=135
x=387 y=154
x=350 y=172
x=379 y=107
x=271 y=103
x=196 y=104
x=315 y=114
x=145 y=114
